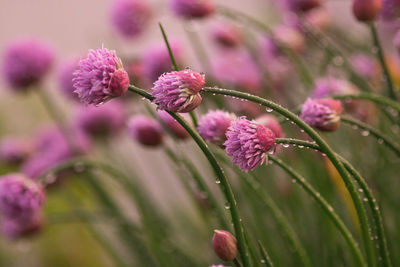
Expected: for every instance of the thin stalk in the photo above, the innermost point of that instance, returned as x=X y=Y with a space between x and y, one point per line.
x=202 y=186
x=96 y=234
x=389 y=142
x=58 y=118
x=266 y=259
x=378 y=99
x=126 y=233
x=384 y=252
x=221 y=178
x=283 y=222
x=381 y=57
x=175 y=65
x=237 y=263
x=362 y=215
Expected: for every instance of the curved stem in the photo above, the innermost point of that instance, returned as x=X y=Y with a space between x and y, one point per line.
x=362 y=215
x=223 y=181
x=378 y=99
x=365 y=188
x=266 y=259
x=380 y=136
x=329 y=210
x=381 y=58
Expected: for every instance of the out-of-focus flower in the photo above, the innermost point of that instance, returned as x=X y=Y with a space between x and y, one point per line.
x=225 y=245
x=136 y=72
x=236 y=67
x=390 y=10
x=299 y=6
x=179 y=91
x=103 y=121
x=20 y=197
x=157 y=61
x=396 y=41
x=52 y=148
x=323 y=114
x=145 y=130
x=271 y=123
x=226 y=35
x=318 y=18
x=213 y=126
x=219 y=265
x=190 y=9
x=248 y=142
x=14 y=229
x=244 y=108
x=172 y=125
x=26 y=62
x=100 y=77
x=366 y=10
x=14 y=150
x=289 y=37
x=65 y=76
x=365 y=66
x=130 y=17
x=330 y=86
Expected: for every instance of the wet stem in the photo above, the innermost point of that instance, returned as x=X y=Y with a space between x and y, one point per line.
x=362 y=215
x=221 y=179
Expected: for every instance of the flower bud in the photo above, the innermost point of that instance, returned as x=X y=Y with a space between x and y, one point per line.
x=366 y=10
x=323 y=114
x=225 y=245
x=146 y=131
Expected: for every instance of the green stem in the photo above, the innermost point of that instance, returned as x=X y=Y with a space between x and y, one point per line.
x=381 y=57
x=362 y=216
x=95 y=233
x=223 y=181
x=384 y=252
x=389 y=142
x=202 y=186
x=126 y=233
x=266 y=259
x=237 y=263
x=176 y=68
x=378 y=99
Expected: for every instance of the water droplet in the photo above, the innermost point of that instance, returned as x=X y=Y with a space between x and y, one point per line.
x=227 y=206
x=262 y=261
x=217 y=181
x=365 y=133
x=269 y=109
x=360 y=190
x=365 y=199
x=285 y=145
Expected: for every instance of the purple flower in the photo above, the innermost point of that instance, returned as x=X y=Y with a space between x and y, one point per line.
x=248 y=142
x=192 y=8
x=213 y=126
x=26 y=62
x=178 y=91
x=51 y=148
x=226 y=35
x=100 y=77
x=219 y=265
x=271 y=123
x=390 y=10
x=365 y=66
x=225 y=245
x=14 y=150
x=172 y=125
x=65 y=76
x=20 y=197
x=145 y=130
x=157 y=61
x=329 y=86
x=323 y=114
x=366 y=10
x=236 y=67
x=102 y=121
x=14 y=229
x=299 y=6
x=130 y=17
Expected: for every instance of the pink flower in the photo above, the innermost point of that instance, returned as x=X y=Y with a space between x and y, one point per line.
x=100 y=77
x=189 y=9
x=145 y=130
x=178 y=91
x=130 y=17
x=323 y=114
x=248 y=142
x=172 y=125
x=213 y=126
x=225 y=245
